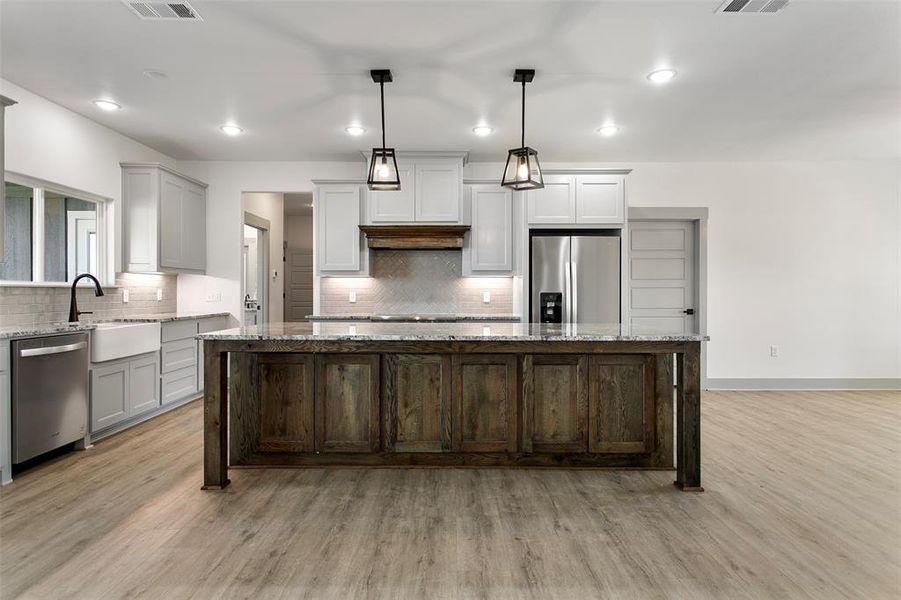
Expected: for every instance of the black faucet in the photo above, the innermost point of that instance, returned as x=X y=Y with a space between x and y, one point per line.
x=73 y=305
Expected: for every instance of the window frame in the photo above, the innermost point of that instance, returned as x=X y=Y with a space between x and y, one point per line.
x=105 y=232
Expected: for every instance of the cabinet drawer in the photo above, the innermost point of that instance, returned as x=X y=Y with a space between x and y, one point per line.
x=178 y=355
x=178 y=330
x=179 y=384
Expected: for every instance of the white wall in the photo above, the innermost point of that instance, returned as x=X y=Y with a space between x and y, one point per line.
x=271 y=206
x=227 y=181
x=49 y=142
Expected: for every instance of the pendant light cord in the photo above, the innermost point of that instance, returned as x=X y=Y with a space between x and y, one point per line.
x=382 y=90
x=523 y=114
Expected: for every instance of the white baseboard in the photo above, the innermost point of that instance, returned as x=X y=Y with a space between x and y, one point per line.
x=887 y=383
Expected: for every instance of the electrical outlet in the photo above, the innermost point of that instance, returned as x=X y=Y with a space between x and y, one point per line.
x=486 y=297
x=125 y=295
x=352 y=297
x=774 y=351
x=486 y=330
x=352 y=329
x=214 y=296
x=159 y=294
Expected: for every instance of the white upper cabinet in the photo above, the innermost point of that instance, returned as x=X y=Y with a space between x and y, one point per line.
x=578 y=199
x=555 y=203
x=438 y=191
x=600 y=199
x=338 y=210
x=491 y=234
x=164 y=220
x=395 y=207
x=430 y=191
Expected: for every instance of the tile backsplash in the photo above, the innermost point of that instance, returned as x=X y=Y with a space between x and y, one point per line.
x=26 y=305
x=416 y=281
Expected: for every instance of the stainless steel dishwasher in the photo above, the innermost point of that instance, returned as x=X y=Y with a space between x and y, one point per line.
x=49 y=393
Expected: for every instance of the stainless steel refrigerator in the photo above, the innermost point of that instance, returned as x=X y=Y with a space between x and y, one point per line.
x=575 y=277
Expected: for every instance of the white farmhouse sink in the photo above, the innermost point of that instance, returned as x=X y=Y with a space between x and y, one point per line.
x=118 y=340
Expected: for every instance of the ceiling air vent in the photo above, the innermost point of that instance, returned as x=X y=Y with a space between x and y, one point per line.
x=752 y=6
x=168 y=11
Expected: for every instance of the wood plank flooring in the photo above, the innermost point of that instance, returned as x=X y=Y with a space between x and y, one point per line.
x=803 y=500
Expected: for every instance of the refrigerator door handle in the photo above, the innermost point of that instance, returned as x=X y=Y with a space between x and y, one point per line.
x=568 y=297
x=575 y=287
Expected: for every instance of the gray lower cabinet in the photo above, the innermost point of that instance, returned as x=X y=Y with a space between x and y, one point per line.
x=125 y=388
x=179 y=384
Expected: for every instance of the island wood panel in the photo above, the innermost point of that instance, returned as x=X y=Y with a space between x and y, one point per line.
x=416 y=394
x=621 y=402
x=347 y=403
x=485 y=403
x=286 y=402
x=688 y=419
x=243 y=406
x=663 y=454
x=555 y=403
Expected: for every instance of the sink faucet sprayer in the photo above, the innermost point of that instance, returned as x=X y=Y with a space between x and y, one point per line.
x=73 y=305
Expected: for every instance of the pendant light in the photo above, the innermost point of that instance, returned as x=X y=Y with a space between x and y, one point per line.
x=383 y=174
x=523 y=171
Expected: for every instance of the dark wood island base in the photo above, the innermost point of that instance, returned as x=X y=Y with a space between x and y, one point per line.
x=313 y=401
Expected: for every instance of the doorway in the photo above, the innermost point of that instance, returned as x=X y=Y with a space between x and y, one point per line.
x=254 y=270
x=298 y=255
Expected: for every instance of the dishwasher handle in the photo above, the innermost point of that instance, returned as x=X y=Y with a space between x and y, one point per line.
x=28 y=352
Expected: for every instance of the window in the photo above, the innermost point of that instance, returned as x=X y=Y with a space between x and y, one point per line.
x=52 y=234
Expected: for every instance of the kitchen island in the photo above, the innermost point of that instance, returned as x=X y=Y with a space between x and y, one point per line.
x=451 y=394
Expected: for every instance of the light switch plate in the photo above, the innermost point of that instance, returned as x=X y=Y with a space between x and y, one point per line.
x=125 y=295
x=486 y=297
x=159 y=294
x=352 y=297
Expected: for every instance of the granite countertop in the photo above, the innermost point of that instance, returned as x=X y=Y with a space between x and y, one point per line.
x=17 y=331
x=463 y=317
x=514 y=332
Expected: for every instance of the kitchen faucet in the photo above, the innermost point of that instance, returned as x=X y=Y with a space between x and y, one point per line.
x=73 y=305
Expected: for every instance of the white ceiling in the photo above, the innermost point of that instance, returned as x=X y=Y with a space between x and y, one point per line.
x=820 y=80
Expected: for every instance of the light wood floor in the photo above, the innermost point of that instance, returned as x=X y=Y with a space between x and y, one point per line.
x=803 y=500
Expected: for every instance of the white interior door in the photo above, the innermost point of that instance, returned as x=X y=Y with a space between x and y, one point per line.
x=662 y=276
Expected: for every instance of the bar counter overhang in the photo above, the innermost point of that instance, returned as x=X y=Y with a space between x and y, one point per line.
x=451 y=394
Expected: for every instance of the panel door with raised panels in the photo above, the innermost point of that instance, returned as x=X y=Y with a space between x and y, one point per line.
x=555 y=401
x=621 y=403
x=395 y=206
x=286 y=402
x=600 y=199
x=491 y=235
x=417 y=400
x=338 y=233
x=438 y=191
x=485 y=410
x=347 y=403
x=555 y=203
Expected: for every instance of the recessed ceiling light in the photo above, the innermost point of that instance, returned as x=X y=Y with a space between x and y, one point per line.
x=154 y=74
x=607 y=130
x=661 y=75
x=231 y=130
x=106 y=105
x=482 y=130
x=354 y=130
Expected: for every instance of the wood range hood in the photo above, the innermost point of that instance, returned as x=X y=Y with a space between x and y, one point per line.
x=414 y=237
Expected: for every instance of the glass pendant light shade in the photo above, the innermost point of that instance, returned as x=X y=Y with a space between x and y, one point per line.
x=383 y=170
x=383 y=175
x=523 y=171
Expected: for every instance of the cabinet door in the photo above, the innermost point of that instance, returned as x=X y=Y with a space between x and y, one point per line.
x=491 y=235
x=438 y=191
x=109 y=394
x=178 y=385
x=621 y=403
x=484 y=400
x=193 y=227
x=338 y=207
x=143 y=384
x=555 y=401
x=347 y=403
x=286 y=402
x=556 y=203
x=172 y=251
x=600 y=199
x=395 y=207
x=417 y=402
x=140 y=203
